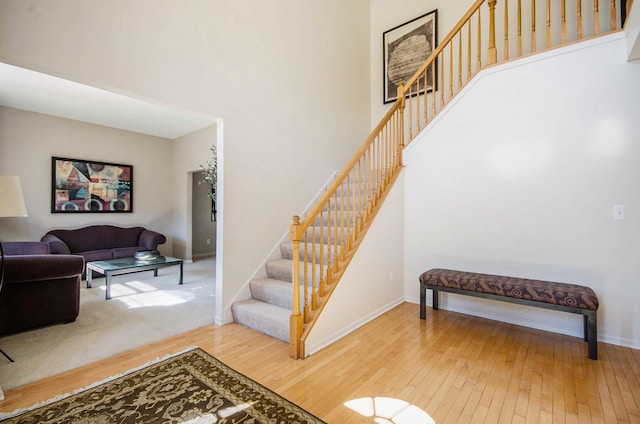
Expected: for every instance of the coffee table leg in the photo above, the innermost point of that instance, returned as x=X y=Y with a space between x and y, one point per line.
x=107 y=277
x=89 y=276
x=155 y=272
x=180 y=282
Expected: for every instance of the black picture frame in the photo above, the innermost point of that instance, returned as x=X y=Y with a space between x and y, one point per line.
x=405 y=48
x=88 y=186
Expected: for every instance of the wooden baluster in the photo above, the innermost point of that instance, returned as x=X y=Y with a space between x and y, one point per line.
x=450 y=71
x=579 y=18
x=614 y=21
x=459 y=59
x=469 y=51
x=442 y=73
x=492 y=55
x=352 y=209
x=596 y=18
x=479 y=53
x=314 y=260
x=410 y=114
x=548 y=25
x=418 y=127
x=314 y=295
x=519 y=28
x=506 y=30
x=400 y=128
x=433 y=90
x=296 y=348
x=425 y=105
x=563 y=18
x=533 y=26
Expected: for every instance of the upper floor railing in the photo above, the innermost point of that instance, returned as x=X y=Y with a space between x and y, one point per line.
x=325 y=240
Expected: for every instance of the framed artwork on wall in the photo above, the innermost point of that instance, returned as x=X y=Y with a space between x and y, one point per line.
x=405 y=48
x=82 y=186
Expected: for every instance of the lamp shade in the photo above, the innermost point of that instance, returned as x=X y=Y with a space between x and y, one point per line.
x=11 y=200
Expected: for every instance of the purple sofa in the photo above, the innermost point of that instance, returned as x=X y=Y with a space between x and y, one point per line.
x=100 y=242
x=38 y=288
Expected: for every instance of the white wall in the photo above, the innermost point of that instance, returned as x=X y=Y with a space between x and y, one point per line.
x=28 y=141
x=290 y=79
x=372 y=284
x=388 y=14
x=519 y=177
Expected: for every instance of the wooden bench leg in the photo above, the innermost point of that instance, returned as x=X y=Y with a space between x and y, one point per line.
x=591 y=334
x=423 y=301
x=434 y=302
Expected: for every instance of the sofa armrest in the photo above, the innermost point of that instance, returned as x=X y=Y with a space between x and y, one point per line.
x=56 y=245
x=10 y=248
x=25 y=268
x=149 y=240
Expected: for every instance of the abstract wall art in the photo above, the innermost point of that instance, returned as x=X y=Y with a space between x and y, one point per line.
x=90 y=186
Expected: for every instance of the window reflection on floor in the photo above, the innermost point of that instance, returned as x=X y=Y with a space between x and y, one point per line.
x=384 y=410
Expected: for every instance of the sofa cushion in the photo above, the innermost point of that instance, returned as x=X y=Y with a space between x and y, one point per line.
x=115 y=237
x=82 y=239
x=124 y=252
x=96 y=255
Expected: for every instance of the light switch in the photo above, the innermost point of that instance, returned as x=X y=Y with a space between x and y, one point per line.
x=618 y=212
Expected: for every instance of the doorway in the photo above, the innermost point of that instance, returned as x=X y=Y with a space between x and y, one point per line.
x=203 y=219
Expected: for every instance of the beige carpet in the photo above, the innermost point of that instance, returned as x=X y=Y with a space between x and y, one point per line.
x=143 y=309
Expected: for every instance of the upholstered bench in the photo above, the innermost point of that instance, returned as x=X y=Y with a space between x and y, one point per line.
x=542 y=294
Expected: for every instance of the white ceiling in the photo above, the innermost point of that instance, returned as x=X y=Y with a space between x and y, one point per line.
x=28 y=90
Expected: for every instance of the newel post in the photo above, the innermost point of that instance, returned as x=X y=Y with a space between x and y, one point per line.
x=492 y=56
x=296 y=349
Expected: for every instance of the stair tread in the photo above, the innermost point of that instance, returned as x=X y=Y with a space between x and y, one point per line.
x=273 y=281
x=257 y=304
x=264 y=317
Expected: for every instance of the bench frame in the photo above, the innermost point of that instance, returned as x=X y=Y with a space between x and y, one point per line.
x=590 y=318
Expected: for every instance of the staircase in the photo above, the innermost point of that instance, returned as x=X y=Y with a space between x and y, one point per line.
x=287 y=303
x=269 y=309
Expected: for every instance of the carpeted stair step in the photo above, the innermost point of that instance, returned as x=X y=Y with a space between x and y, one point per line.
x=276 y=292
x=280 y=269
x=268 y=319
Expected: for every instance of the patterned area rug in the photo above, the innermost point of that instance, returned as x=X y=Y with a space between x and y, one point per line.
x=192 y=387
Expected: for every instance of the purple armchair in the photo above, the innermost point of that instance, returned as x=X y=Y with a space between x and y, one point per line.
x=39 y=288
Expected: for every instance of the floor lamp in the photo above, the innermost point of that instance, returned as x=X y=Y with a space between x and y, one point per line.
x=11 y=205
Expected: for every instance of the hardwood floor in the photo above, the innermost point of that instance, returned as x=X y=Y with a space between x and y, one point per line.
x=457 y=368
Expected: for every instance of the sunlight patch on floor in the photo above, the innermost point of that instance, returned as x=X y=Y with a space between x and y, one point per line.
x=384 y=410
x=137 y=294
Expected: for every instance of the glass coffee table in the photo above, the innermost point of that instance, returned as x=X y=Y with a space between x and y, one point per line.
x=111 y=267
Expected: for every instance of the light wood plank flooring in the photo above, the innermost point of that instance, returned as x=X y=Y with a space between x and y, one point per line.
x=457 y=368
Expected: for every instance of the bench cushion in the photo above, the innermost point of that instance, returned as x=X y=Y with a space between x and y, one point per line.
x=564 y=294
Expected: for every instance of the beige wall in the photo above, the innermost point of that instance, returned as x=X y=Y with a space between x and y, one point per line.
x=290 y=79
x=28 y=141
